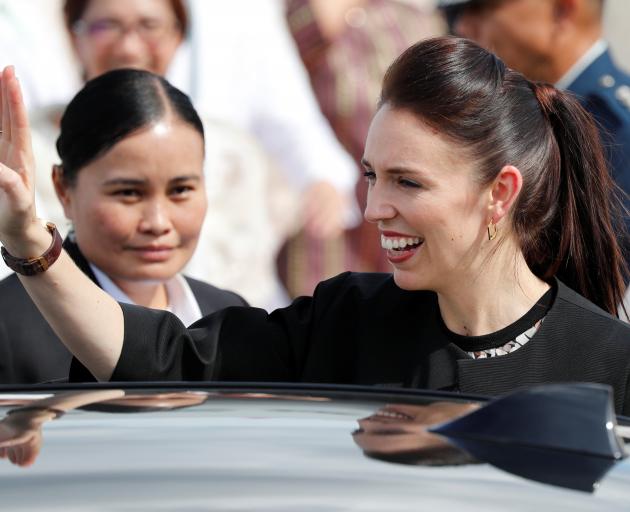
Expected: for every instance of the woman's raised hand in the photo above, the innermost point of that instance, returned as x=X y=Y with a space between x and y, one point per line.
x=17 y=196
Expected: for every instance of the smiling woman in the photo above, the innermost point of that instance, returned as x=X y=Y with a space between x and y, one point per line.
x=131 y=183
x=483 y=185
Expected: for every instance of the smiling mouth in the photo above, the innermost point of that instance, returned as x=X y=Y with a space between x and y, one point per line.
x=153 y=254
x=399 y=243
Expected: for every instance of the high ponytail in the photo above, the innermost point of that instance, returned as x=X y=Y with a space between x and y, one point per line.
x=583 y=248
x=566 y=218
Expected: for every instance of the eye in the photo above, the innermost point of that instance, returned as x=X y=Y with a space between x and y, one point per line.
x=370 y=177
x=181 y=191
x=103 y=26
x=127 y=193
x=407 y=183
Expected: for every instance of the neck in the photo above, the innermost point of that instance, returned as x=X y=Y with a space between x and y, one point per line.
x=569 y=53
x=150 y=295
x=502 y=290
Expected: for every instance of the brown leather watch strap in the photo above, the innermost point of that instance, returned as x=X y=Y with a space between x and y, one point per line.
x=32 y=266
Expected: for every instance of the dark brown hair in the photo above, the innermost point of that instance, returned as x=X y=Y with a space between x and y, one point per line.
x=567 y=217
x=110 y=108
x=73 y=11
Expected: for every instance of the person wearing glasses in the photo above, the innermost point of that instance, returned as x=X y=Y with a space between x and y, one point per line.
x=148 y=35
x=561 y=42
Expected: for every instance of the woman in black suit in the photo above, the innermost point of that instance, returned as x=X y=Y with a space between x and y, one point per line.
x=131 y=182
x=497 y=214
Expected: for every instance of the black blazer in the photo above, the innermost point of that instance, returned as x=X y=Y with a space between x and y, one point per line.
x=31 y=352
x=363 y=329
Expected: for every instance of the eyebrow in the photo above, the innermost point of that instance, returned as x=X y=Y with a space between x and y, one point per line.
x=138 y=182
x=396 y=170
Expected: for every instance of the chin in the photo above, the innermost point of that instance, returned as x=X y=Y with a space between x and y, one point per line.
x=407 y=280
x=156 y=273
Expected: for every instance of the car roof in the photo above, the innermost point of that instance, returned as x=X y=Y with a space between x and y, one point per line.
x=261 y=447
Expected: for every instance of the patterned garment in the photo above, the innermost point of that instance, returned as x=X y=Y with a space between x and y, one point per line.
x=510 y=346
x=346 y=74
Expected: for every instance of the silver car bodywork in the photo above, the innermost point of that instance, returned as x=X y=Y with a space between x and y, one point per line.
x=264 y=449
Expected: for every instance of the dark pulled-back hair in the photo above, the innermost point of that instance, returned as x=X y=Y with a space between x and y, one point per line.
x=111 y=107
x=73 y=11
x=567 y=217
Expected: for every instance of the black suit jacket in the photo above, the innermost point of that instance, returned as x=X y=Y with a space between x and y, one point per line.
x=31 y=352
x=363 y=329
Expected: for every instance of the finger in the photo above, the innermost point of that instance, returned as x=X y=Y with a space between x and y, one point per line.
x=16 y=441
x=6 y=114
x=12 y=185
x=1 y=103
x=19 y=454
x=20 y=133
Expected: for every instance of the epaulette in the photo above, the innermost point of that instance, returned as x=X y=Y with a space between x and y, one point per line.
x=613 y=87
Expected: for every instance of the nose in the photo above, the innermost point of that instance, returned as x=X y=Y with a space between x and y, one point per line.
x=378 y=207
x=156 y=219
x=130 y=48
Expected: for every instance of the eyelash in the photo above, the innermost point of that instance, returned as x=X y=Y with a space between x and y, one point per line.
x=408 y=183
x=370 y=177
x=181 y=189
x=126 y=192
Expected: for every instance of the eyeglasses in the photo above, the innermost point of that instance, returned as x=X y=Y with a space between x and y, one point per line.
x=109 y=30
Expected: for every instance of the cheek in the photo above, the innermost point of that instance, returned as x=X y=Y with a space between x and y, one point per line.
x=108 y=222
x=161 y=58
x=189 y=219
x=93 y=60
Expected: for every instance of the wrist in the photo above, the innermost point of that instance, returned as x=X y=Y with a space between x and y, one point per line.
x=31 y=242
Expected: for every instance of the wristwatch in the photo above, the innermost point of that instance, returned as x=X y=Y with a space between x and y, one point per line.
x=32 y=266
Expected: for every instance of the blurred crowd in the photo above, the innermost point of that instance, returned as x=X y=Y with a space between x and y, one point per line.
x=281 y=177
x=285 y=89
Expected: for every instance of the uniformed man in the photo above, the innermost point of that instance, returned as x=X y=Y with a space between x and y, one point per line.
x=560 y=42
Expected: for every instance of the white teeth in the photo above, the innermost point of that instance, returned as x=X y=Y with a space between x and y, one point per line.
x=392 y=414
x=398 y=243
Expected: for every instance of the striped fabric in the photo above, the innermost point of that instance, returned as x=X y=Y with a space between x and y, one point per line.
x=346 y=75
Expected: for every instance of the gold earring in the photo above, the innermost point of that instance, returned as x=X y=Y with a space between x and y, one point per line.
x=492 y=230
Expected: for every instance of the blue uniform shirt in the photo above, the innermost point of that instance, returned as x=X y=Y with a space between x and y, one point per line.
x=604 y=90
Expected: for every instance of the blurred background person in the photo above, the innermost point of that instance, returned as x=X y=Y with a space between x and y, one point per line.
x=131 y=181
x=252 y=205
x=32 y=39
x=346 y=46
x=242 y=66
x=559 y=42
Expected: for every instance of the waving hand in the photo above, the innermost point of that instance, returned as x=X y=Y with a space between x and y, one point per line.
x=17 y=205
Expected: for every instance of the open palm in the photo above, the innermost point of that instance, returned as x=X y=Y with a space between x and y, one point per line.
x=17 y=205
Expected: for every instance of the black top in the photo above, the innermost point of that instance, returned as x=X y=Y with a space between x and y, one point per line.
x=30 y=352
x=363 y=329
x=509 y=333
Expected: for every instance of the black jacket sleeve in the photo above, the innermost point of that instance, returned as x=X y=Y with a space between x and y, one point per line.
x=236 y=343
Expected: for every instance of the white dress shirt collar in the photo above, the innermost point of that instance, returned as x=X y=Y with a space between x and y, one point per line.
x=181 y=300
x=583 y=62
